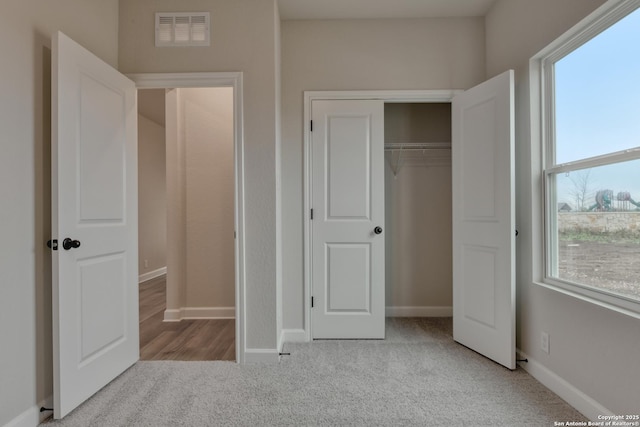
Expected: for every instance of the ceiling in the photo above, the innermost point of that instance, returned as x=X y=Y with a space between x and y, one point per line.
x=380 y=9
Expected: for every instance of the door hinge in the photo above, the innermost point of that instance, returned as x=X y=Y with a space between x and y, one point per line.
x=312 y=214
x=234 y=234
x=311 y=302
x=53 y=244
x=311 y=126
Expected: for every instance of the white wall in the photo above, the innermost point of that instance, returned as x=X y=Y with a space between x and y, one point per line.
x=592 y=348
x=418 y=212
x=243 y=39
x=351 y=55
x=152 y=196
x=25 y=186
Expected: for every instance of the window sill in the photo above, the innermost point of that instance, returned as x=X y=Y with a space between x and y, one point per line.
x=620 y=305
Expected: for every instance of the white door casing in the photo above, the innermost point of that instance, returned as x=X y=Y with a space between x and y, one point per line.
x=347 y=174
x=484 y=219
x=94 y=201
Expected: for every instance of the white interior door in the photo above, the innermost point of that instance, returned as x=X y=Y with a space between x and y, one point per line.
x=94 y=203
x=348 y=216
x=484 y=219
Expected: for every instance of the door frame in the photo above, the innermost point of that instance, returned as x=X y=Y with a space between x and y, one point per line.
x=386 y=96
x=221 y=79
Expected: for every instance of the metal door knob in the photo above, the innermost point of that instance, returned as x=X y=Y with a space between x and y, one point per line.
x=69 y=243
x=377 y=230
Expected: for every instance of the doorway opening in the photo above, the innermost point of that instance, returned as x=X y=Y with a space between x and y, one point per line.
x=418 y=244
x=186 y=227
x=381 y=233
x=191 y=296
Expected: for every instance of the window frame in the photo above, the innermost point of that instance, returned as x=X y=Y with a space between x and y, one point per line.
x=542 y=103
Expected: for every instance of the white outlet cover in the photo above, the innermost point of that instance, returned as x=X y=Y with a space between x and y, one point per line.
x=544 y=342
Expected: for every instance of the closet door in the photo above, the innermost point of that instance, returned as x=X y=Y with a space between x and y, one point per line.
x=484 y=219
x=348 y=216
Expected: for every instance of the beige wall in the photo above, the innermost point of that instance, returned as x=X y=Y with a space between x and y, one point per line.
x=592 y=348
x=25 y=185
x=176 y=205
x=208 y=127
x=518 y=29
x=418 y=210
x=201 y=199
x=350 y=55
x=242 y=39
x=278 y=110
x=152 y=196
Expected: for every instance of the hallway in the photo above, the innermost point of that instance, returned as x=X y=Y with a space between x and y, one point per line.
x=186 y=340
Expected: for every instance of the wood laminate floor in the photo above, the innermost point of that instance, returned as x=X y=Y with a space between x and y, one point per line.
x=185 y=340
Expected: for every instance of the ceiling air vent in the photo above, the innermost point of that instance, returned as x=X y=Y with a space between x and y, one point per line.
x=182 y=29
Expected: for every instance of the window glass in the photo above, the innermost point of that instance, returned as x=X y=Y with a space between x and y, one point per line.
x=593 y=203
x=597 y=233
x=597 y=94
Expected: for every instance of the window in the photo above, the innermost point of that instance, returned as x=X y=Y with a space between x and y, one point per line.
x=591 y=165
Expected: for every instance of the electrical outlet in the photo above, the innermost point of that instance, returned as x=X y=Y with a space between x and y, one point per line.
x=146 y=263
x=544 y=342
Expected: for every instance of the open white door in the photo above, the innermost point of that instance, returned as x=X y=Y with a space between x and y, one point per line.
x=348 y=216
x=95 y=221
x=484 y=219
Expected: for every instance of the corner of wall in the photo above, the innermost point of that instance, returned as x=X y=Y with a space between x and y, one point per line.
x=261 y=355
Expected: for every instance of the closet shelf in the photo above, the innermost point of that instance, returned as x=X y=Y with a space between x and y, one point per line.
x=417 y=154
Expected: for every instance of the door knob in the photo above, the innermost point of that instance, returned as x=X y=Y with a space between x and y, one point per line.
x=69 y=243
x=377 y=230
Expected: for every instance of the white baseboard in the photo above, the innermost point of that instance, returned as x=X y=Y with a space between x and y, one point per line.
x=191 y=313
x=208 y=312
x=152 y=274
x=173 y=315
x=261 y=355
x=300 y=335
x=32 y=417
x=586 y=405
x=426 y=311
x=293 y=335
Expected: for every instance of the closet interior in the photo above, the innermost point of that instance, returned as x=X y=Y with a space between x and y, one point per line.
x=418 y=209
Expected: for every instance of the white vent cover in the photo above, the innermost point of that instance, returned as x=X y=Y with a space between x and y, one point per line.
x=182 y=29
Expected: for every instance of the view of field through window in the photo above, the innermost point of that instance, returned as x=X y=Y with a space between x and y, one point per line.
x=596 y=224
x=598 y=231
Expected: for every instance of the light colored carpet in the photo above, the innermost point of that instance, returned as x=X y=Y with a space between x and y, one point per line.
x=418 y=376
